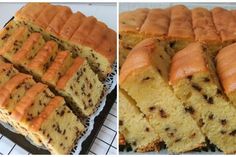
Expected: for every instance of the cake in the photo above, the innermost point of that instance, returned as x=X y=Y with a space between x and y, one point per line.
x=226 y=70
x=69 y=75
x=194 y=80
x=34 y=111
x=180 y=31
x=28 y=50
x=86 y=37
x=43 y=58
x=226 y=28
x=204 y=30
x=144 y=76
x=134 y=126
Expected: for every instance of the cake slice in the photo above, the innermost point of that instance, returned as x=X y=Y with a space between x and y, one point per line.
x=225 y=24
x=195 y=82
x=81 y=86
x=180 y=31
x=58 y=68
x=71 y=25
x=135 y=127
x=204 y=30
x=14 y=42
x=28 y=50
x=144 y=76
x=57 y=127
x=226 y=70
x=59 y=20
x=42 y=60
x=130 y=23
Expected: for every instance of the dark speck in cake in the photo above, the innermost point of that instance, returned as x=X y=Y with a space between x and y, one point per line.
x=195 y=86
x=223 y=121
x=189 y=109
x=162 y=113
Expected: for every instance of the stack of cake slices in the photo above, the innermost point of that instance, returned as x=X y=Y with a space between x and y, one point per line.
x=34 y=111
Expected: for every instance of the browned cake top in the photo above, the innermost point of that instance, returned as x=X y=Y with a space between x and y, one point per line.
x=186 y=62
x=139 y=57
x=203 y=26
x=225 y=23
x=132 y=21
x=76 y=28
x=180 y=23
x=226 y=67
x=157 y=22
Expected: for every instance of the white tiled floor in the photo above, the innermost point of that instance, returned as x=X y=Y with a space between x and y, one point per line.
x=105 y=142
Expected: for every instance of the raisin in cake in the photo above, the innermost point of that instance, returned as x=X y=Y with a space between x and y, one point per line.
x=204 y=30
x=195 y=82
x=134 y=126
x=226 y=70
x=144 y=76
x=84 y=36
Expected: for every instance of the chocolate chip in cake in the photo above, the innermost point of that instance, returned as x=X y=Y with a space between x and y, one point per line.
x=162 y=113
x=200 y=122
x=210 y=100
x=219 y=91
x=134 y=143
x=120 y=122
x=206 y=79
x=190 y=77
x=166 y=129
x=189 y=109
x=172 y=44
x=195 y=86
x=178 y=139
x=152 y=108
x=211 y=116
x=147 y=129
x=232 y=133
x=223 y=132
x=146 y=78
x=223 y=121
x=159 y=71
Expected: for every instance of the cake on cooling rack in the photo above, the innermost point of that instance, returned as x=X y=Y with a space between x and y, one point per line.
x=194 y=80
x=144 y=76
x=135 y=127
x=84 y=36
x=70 y=76
x=34 y=111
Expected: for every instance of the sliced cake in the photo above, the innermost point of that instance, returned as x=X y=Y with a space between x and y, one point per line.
x=14 y=42
x=42 y=60
x=130 y=23
x=53 y=21
x=135 y=127
x=180 y=31
x=81 y=86
x=144 y=76
x=226 y=69
x=28 y=50
x=204 y=30
x=195 y=82
x=57 y=127
x=225 y=24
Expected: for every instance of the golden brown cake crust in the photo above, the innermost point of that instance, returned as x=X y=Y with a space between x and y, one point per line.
x=225 y=23
x=187 y=62
x=132 y=21
x=203 y=26
x=50 y=18
x=226 y=67
x=180 y=23
x=156 y=23
x=139 y=57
